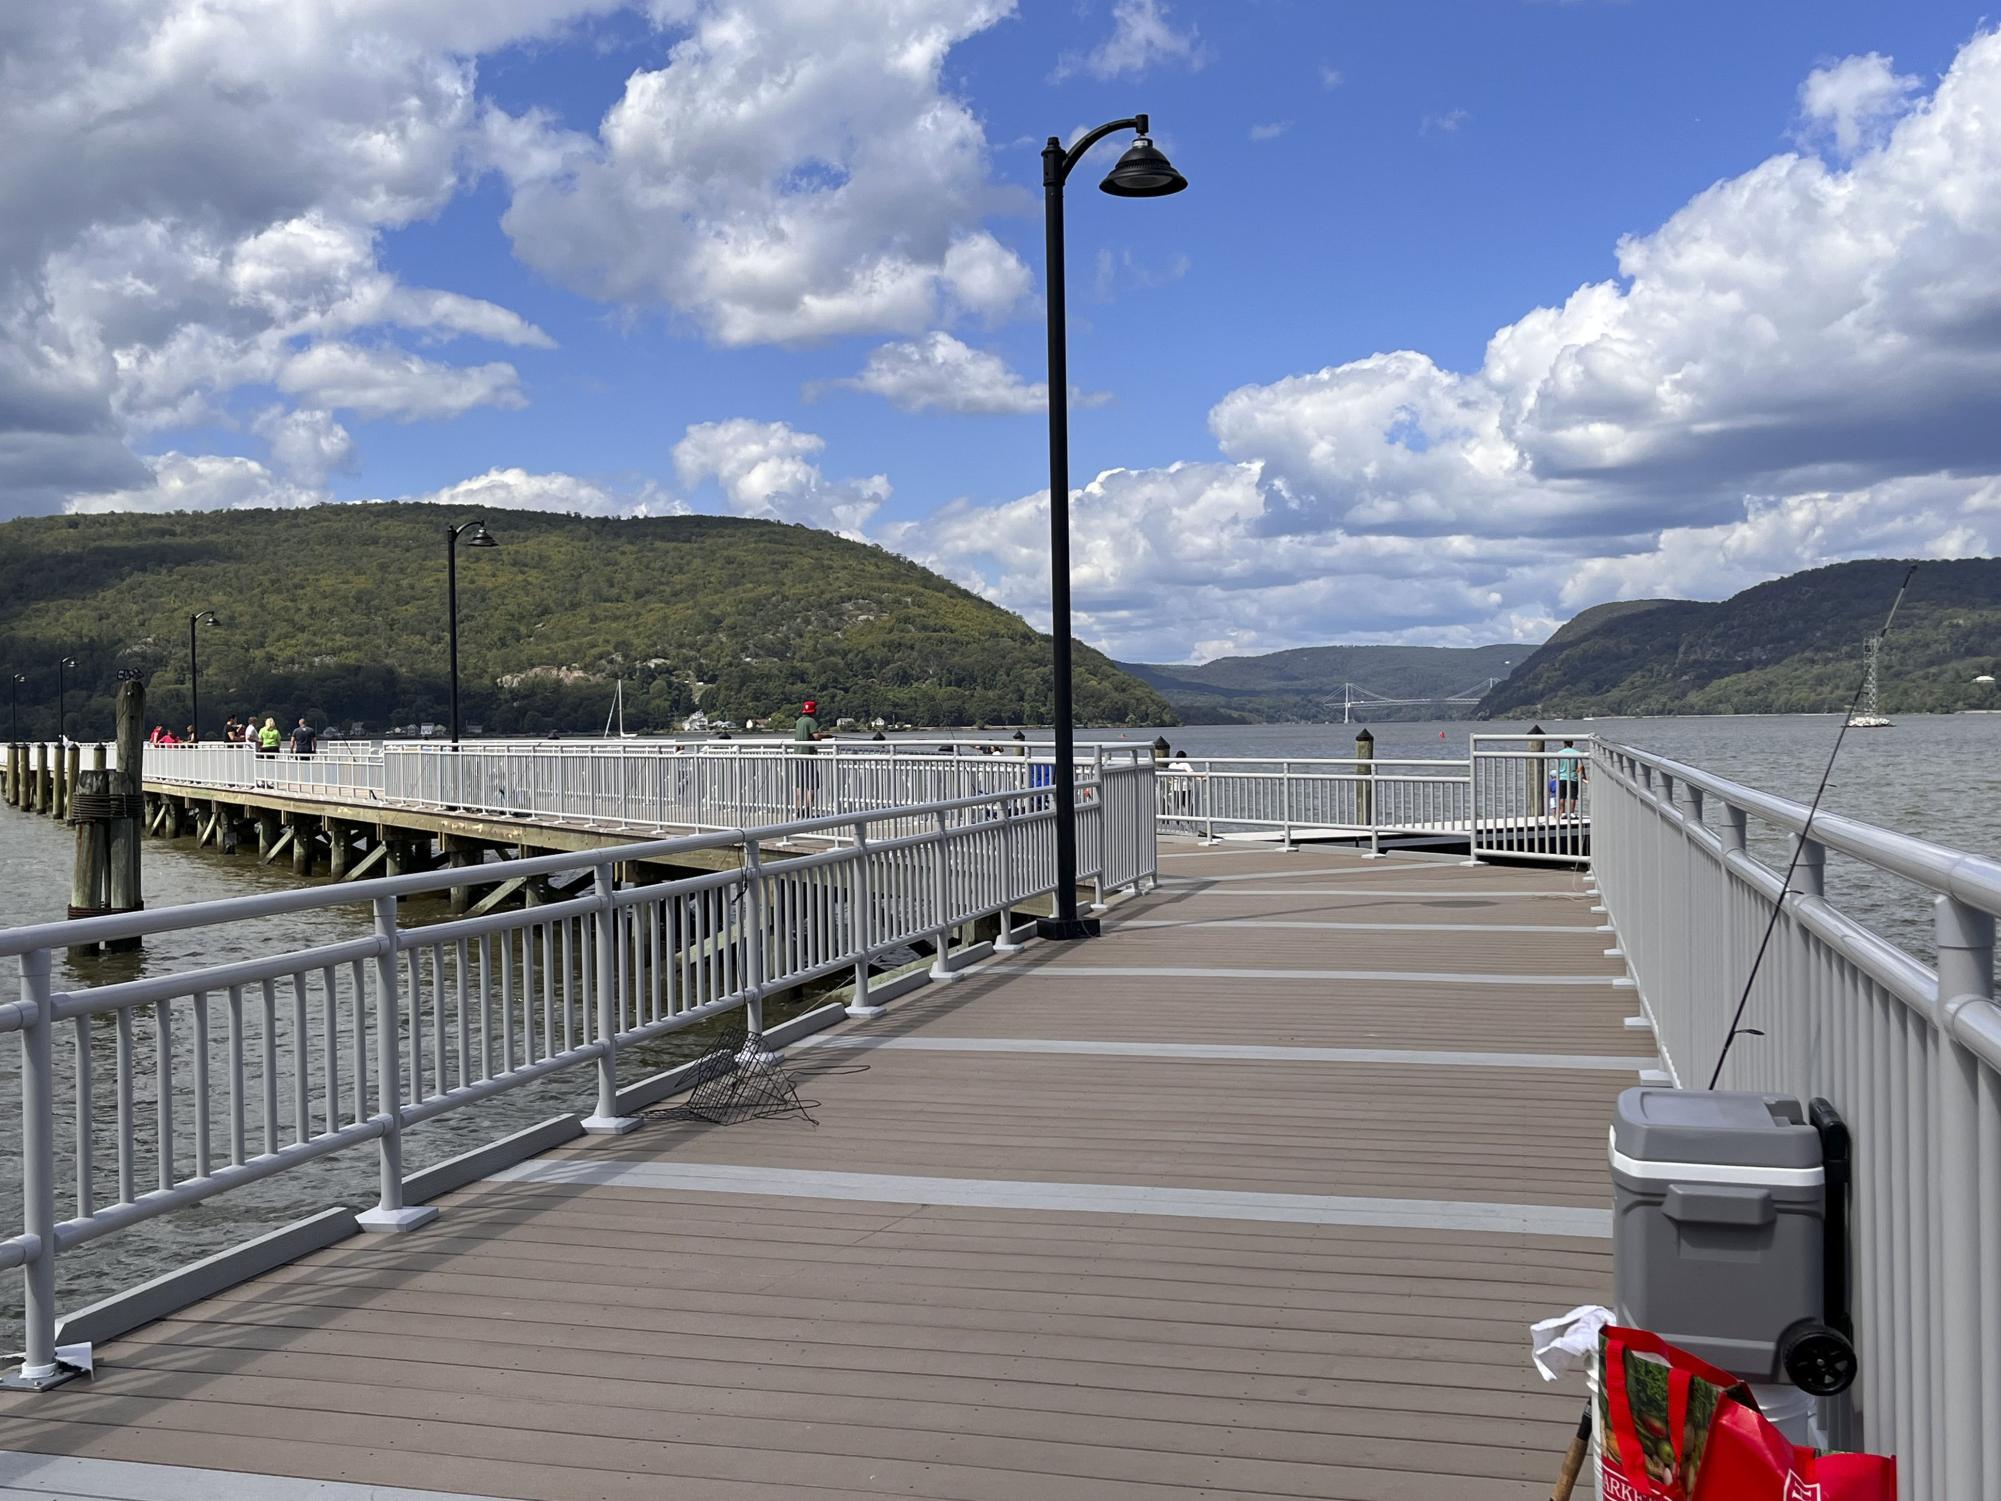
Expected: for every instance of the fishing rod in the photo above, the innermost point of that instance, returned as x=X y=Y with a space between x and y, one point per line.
x=1799 y=845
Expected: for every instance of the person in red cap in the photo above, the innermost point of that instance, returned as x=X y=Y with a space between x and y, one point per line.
x=806 y=774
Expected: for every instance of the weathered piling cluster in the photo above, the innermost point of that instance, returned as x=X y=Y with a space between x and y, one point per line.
x=103 y=801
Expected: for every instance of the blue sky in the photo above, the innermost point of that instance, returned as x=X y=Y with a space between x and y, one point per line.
x=576 y=254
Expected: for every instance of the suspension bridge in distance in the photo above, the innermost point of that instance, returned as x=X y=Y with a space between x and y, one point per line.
x=1354 y=696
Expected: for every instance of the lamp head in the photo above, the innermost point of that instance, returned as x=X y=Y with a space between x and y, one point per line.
x=207 y=617
x=478 y=536
x=1143 y=172
x=68 y=662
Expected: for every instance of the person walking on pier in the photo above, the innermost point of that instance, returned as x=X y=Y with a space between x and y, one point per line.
x=304 y=741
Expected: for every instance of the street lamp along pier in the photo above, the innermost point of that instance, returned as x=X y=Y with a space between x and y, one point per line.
x=476 y=535
x=1143 y=172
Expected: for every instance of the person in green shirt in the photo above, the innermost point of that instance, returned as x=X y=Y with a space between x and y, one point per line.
x=1569 y=776
x=806 y=773
x=268 y=738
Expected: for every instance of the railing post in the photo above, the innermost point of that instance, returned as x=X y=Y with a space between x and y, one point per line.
x=1965 y=978
x=863 y=924
x=752 y=924
x=605 y=1119
x=39 y=1367
x=941 y=892
x=1472 y=801
x=1285 y=805
x=390 y=1214
x=1003 y=940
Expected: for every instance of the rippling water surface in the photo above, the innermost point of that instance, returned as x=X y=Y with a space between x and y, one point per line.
x=1934 y=776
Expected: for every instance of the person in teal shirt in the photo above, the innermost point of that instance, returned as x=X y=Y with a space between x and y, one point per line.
x=1569 y=776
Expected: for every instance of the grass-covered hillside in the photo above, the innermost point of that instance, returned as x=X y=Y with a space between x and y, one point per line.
x=1793 y=645
x=338 y=613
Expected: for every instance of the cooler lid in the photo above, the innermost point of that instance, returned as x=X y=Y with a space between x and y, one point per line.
x=1722 y=1127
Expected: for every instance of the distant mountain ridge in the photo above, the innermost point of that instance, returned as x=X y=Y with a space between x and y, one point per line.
x=1791 y=645
x=338 y=613
x=1304 y=685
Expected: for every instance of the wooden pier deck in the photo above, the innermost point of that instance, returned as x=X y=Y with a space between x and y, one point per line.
x=1253 y=1197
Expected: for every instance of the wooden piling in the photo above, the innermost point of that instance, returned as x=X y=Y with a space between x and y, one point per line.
x=125 y=890
x=72 y=765
x=90 y=881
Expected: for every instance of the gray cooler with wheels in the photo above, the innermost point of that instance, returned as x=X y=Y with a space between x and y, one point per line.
x=1719 y=1204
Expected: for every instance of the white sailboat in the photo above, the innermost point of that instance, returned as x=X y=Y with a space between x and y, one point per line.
x=1868 y=715
x=618 y=713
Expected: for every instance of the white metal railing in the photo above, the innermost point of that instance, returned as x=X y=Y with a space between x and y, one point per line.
x=231 y=1073
x=1910 y=1055
x=635 y=786
x=1312 y=796
x=1530 y=797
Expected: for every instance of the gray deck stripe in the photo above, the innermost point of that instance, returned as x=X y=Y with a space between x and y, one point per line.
x=1385 y=976
x=1357 y=869
x=1286 y=875
x=1598 y=1063
x=68 y=1478
x=1075 y=1198
x=1176 y=886
x=1353 y=927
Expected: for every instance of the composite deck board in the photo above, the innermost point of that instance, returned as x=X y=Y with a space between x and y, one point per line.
x=553 y=1340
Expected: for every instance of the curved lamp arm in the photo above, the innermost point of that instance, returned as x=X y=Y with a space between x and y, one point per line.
x=1057 y=164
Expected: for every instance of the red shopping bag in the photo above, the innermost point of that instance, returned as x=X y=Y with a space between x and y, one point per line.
x=1656 y=1410
x=1750 y=1460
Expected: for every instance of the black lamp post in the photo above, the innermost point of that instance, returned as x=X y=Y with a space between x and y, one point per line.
x=476 y=535
x=1141 y=173
x=200 y=617
x=62 y=698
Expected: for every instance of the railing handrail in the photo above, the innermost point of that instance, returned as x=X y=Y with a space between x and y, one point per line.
x=14 y=941
x=1973 y=879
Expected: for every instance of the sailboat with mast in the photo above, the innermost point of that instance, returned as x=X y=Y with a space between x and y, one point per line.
x=618 y=714
x=1868 y=713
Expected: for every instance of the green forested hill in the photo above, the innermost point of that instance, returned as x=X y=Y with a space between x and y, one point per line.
x=1793 y=645
x=1302 y=685
x=338 y=613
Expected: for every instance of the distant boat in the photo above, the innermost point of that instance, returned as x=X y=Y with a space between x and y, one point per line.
x=1868 y=715
x=618 y=713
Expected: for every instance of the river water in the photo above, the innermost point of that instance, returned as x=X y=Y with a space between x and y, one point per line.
x=1935 y=776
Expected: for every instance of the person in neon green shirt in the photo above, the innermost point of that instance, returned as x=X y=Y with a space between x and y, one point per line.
x=268 y=738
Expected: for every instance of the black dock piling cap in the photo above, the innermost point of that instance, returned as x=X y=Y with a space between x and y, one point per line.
x=1365 y=736
x=1535 y=729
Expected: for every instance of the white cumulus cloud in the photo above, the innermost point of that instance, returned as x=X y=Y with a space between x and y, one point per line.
x=792 y=172
x=393 y=383
x=1801 y=365
x=1855 y=99
x=1143 y=36
x=940 y=372
x=770 y=470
